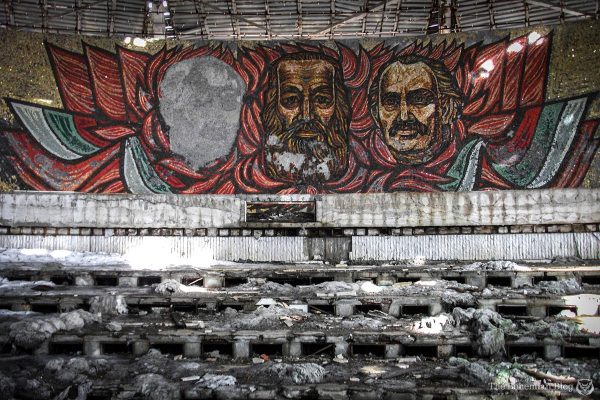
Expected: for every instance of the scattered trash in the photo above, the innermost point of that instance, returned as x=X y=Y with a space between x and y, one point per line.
x=340 y=359
x=190 y=378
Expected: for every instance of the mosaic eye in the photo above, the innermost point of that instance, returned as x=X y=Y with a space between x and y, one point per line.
x=420 y=97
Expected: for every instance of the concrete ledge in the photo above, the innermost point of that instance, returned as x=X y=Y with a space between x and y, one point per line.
x=506 y=207
x=81 y=210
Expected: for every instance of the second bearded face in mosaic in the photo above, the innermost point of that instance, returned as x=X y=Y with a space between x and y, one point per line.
x=306 y=119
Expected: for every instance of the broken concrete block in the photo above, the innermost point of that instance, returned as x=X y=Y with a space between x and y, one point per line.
x=140 y=347
x=241 y=349
x=192 y=349
x=127 y=281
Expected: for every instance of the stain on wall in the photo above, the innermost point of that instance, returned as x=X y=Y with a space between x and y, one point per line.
x=496 y=110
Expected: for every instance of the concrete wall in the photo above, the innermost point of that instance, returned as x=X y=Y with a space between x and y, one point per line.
x=506 y=225
x=526 y=207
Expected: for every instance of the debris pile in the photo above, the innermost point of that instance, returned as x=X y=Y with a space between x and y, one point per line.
x=488 y=329
x=31 y=333
x=299 y=374
x=379 y=335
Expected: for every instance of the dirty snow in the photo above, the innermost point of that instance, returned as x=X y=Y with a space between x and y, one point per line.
x=494 y=266
x=488 y=328
x=300 y=374
x=19 y=286
x=560 y=287
x=213 y=381
x=70 y=258
x=31 y=333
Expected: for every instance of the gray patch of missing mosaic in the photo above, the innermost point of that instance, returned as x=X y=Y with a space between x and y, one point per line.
x=201 y=100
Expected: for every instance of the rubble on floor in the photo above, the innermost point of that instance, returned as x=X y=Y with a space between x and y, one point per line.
x=172 y=379
x=365 y=339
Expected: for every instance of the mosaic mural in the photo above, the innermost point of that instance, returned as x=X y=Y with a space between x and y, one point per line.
x=304 y=118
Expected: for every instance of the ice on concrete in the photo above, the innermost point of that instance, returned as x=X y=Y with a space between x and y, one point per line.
x=65 y=257
x=369 y=287
x=20 y=286
x=169 y=286
x=299 y=374
x=16 y=314
x=109 y=304
x=261 y=318
x=31 y=333
x=213 y=381
x=360 y=322
x=500 y=265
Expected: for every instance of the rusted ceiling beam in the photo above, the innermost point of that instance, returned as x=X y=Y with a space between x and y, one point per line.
x=382 y=16
x=355 y=17
x=299 y=12
x=268 y=19
x=147 y=29
x=331 y=16
x=10 y=12
x=44 y=11
x=364 y=18
x=397 y=16
x=204 y=30
x=223 y=12
x=234 y=20
x=58 y=16
x=77 y=16
x=491 y=13
x=566 y=10
x=111 y=6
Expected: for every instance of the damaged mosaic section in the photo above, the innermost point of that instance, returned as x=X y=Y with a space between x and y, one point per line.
x=397 y=115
